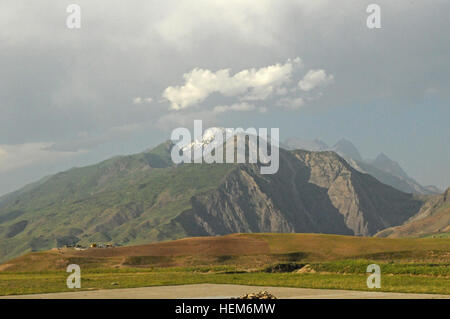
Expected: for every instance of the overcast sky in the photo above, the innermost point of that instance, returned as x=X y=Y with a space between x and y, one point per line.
x=137 y=69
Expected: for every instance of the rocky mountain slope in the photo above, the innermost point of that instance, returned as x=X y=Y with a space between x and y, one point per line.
x=433 y=219
x=145 y=198
x=382 y=167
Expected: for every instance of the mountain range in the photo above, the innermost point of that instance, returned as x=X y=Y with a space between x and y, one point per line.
x=382 y=167
x=144 y=198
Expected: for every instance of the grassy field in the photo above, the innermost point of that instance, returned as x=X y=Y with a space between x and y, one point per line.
x=443 y=235
x=350 y=274
x=288 y=260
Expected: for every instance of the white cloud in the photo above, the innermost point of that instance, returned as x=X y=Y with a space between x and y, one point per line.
x=259 y=93
x=251 y=84
x=291 y=103
x=241 y=107
x=315 y=78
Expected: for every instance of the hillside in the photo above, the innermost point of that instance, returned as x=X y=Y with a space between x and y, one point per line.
x=312 y=192
x=382 y=167
x=433 y=219
x=143 y=198
x=247 y=250
x=405 y=184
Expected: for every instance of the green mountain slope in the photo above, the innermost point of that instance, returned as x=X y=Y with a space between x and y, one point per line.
x=143 y=198
x=126 y=200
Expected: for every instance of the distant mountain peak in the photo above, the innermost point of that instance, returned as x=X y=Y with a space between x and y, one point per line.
x=345 y=143
x=344 y=140
x=382 y=167
x=308 y=145
x=382 y=161
x=382 y=157
x=320 y=142
x=346 y=149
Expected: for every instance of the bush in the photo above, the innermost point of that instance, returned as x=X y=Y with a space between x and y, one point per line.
x=285 y=267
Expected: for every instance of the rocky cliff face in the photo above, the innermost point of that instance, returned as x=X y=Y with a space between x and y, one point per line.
x=433 y=219
x=312 y=192
x=382 y=167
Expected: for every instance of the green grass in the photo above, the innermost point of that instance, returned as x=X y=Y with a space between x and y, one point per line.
x=115 y=201
x=347 y=274
x=359 y=267
x=442 y=235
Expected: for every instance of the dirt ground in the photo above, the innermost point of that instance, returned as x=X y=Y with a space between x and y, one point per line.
x=213 y=291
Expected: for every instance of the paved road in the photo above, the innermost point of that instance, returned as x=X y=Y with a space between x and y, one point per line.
x=224 y=291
